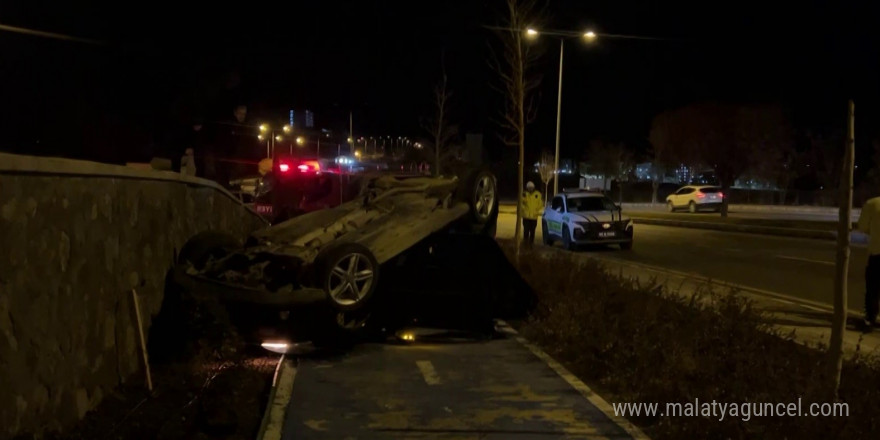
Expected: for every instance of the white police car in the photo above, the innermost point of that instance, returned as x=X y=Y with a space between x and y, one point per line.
x=582 y=217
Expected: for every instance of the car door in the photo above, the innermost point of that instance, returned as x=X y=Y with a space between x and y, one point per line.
x=681 y=197
x=553 y=216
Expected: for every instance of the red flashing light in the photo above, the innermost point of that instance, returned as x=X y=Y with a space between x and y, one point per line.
x=721 y=194
x=309 y=166
x=306 y=166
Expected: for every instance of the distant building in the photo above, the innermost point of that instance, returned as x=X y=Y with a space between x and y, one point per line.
x=643 y=171
x=301 y=118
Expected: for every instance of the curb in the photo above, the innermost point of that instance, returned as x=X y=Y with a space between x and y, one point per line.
x=753 y=229
x=276 y=405
x=596 y=400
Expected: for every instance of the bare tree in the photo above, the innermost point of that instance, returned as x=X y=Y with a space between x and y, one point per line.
x=779 y=165
x=663 y=144
x=547 y=169
x=610 y=159
x=727 y=138
x=517 y=81
x=624 y=160
x=844 y=231
x=438 y=126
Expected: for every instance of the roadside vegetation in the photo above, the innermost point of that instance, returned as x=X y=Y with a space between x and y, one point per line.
x=644 y=343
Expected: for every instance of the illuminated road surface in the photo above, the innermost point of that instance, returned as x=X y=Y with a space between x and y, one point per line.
x=802 y=268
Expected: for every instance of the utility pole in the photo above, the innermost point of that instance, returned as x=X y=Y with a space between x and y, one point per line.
x=844 y=230
x=558 y=121
x=351 y=132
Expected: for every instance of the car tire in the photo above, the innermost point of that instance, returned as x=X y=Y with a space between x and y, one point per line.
x=670 y=207
x=480 y=191
x=566 y=239
x=348 y=275
x=545 y=234
x=202 y=247
x=692 y=207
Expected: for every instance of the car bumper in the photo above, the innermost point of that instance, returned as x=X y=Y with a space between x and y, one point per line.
x=595 y=237
x=603 y=240
x=234 y=294
x=713 y=205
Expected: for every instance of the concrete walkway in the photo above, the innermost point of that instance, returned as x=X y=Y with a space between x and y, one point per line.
x=499 y=389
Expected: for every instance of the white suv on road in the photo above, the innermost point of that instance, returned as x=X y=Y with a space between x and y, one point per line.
x=585 y=218
x=695 y=198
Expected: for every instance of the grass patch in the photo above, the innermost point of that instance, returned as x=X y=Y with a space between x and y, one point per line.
x=642 y=343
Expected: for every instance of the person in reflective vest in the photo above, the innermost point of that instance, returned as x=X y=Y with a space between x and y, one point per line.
x=531 y=205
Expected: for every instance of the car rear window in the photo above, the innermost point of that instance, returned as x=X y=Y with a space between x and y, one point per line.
x=712 y=190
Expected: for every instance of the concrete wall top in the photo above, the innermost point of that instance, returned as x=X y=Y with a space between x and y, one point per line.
x=21 y=164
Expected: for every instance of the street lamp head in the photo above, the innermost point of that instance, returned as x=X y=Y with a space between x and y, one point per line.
x=300 y=140
x=278 y=138
x=287 y=128
x=260 y=137
x=349 y=140
x=264 y=127
x=590 y=35
x=531 y=32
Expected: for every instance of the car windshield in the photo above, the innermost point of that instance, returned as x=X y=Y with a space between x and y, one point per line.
x=589 y=204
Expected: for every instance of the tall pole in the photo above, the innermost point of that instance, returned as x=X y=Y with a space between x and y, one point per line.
x=351 y=132
x=558 y=120
x=844 y=225
x=318 y=152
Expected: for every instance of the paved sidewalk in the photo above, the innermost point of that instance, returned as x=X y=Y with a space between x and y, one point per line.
x=497 y=389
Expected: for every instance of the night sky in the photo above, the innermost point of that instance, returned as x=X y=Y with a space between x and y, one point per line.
x=165 y=66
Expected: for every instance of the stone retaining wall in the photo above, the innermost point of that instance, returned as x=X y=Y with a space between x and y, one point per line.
x=75 y=238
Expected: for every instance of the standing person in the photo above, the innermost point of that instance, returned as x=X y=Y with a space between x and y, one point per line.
x=869 y=223
x=531 y=204
x=188 y=163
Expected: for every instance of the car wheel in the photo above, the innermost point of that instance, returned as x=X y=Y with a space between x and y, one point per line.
x=566 y=238
x=348 y=274
x=627 y=245
x=480 y=193
x=692 y=207
x=205 y=246
x=670 y=207
x=545 y=234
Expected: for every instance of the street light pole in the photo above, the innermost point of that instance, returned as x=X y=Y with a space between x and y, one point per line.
x=558 y=119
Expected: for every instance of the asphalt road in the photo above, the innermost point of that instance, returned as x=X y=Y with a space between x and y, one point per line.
x=801 y=268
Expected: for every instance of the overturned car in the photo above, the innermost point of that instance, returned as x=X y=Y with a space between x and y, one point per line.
x=335 y=258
